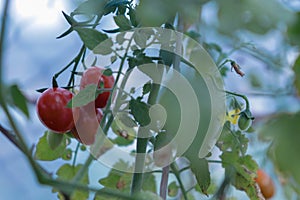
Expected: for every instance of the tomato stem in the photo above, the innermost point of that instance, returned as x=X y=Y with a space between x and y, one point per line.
x=54 y=82
x=75 y=154
x=243 y=97
x=177 y=172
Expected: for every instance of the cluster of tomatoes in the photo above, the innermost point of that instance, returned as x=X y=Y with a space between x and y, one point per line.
x=83 y=121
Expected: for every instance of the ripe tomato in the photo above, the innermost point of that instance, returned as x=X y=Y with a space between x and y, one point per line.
x=87 y=125
x=265 y=183
x=93 y=75
x=52 y=110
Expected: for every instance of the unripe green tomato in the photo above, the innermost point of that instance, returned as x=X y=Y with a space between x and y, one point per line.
x=244 y=122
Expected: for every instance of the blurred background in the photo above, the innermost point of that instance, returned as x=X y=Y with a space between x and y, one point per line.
x=254 y=34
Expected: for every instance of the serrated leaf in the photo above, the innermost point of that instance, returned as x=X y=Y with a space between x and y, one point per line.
x=122 y=22
x=85 y=96
x=149 y=183
x=118 y=179
x=140 y=111
x=90 y=37
x=296 y=70
x=67 y=172
x=19 y=99
x=45 y=152
x=54 y=139
x=173 y=189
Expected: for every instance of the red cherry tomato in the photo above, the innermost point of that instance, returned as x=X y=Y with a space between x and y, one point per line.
x=52 y=110
x=87 y=125
x=265 y=183
x=93 y=75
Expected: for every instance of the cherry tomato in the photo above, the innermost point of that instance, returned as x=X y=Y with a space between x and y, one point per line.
x=265 y=183
x=52 y=110
x=244 y=122
x=87 y=125
x=94 y=75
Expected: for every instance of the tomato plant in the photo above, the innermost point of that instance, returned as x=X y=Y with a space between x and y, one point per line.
x=183 y=46
x=94 y=75
x=52 y=110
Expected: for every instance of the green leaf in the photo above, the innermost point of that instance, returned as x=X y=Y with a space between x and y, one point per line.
x=85 y=96
x=140 y=111
x=172 y=189
x=122 y=22
x=67 y=154
x=283 y=130
x=54 y=139
x=116 y=3
x=241 y=170
x=149 y=183
x=104 y=48
x=19 y=99
x=90 y=37
x=120 y=38
x=113 y=59
x=200 y=168
x=90 y=7
x=45 y=152
x=118 y=179
x=132 y=16
x=147 y=88
x=67 y=172
x=69 y=19
x=296 y=70
x=121 y=141
x=123 y=127
x=140 y=38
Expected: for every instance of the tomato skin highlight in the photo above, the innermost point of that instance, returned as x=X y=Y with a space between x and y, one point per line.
x=94 y=75
x=52 y=110
x=87 y=125
x=265 y=183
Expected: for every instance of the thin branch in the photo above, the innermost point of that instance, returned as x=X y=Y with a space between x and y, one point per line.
x=11 y=137
x=177 y=175
x=2 y=37
x=164 y=182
